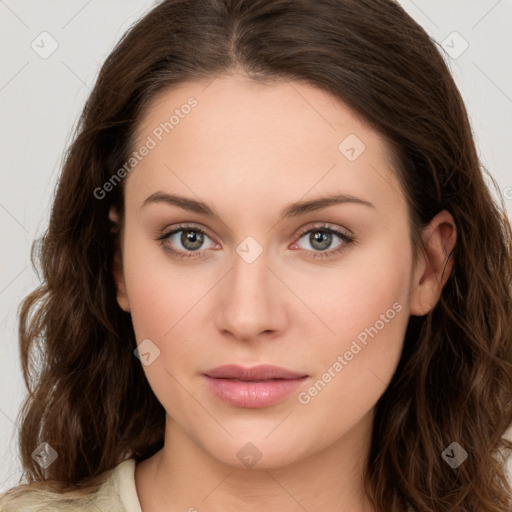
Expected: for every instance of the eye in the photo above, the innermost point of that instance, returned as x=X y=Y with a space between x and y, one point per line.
x=321 y=238
x=185 y=241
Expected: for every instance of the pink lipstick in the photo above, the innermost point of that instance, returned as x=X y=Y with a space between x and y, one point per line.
x=260 y=386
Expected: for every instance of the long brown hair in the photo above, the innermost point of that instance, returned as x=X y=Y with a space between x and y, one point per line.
x=88 y=395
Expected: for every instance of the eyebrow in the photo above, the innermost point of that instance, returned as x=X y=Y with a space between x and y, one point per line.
x=293 y=210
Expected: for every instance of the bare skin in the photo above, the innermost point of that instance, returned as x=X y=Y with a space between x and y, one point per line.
x=249 y=150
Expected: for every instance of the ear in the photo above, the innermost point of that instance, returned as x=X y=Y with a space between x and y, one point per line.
x=117 y=264
x=433 y=267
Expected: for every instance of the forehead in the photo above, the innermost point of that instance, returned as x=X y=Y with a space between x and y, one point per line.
x=236 y=138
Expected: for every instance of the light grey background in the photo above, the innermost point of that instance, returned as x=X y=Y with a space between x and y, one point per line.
x=41 y=98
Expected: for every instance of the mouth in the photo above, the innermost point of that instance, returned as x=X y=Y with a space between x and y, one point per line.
x=256 y=373
x=252 y=388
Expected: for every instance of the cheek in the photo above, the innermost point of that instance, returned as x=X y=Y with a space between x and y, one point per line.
x=354 y=371
x=353 y=293
x=365 y=303
x=167 y=307
x=162 y=297
x=366 y=306
x=160 y=292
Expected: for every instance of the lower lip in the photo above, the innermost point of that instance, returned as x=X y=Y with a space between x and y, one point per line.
x=253 y=394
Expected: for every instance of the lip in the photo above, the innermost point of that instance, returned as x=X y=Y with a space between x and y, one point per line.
x=260 y=386
x=256 y=373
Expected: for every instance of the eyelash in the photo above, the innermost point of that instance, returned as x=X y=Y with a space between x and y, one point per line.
x=163 y=237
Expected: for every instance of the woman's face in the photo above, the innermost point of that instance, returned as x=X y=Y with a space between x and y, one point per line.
x=267 y=282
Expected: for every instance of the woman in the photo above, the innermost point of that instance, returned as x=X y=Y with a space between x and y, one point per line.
x=274 y=277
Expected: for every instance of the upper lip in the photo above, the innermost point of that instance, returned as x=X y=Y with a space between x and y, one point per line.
x=262 y=372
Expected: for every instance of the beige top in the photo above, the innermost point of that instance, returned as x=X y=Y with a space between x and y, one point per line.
x=120 y=488
x=117 y=494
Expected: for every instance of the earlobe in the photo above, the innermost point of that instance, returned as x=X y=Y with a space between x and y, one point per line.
x=117 y=270
x=422 y=299
x=117 y=265
x=434 y=266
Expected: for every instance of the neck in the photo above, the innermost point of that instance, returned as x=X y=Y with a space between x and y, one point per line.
x=184 y=476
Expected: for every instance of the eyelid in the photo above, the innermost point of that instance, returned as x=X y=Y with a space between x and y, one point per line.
x=165 y=233
x=323 y=225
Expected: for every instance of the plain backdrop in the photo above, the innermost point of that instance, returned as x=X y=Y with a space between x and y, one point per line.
x=42 y=95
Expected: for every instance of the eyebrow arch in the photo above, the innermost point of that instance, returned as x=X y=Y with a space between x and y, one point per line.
x=292 y=210
x=302 y=207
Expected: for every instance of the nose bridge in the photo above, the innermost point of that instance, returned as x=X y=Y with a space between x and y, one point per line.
x=250 y=304
x=250 y=272
x=249 y=279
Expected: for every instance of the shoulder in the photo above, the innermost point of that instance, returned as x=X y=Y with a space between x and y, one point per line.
x=507 y=455
x=115 y=493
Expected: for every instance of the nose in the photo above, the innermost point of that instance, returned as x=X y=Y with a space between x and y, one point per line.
x=251 y=301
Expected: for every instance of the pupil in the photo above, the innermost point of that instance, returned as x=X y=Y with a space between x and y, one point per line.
x=321 y=237
x=191 y=239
